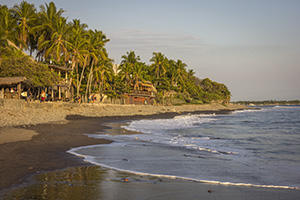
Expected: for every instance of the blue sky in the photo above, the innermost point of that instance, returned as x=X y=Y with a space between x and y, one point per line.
x=253 y=46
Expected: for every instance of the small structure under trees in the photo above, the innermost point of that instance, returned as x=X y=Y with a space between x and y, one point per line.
x=145 y=94
x=11 y=87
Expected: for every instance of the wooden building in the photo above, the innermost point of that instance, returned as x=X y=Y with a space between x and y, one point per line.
x=11 y=87
x=143 y=96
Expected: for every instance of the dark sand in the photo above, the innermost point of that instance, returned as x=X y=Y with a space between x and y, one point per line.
x=69 y=177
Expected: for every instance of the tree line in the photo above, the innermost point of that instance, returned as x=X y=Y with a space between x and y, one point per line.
x=269 y=102
x=51 y=38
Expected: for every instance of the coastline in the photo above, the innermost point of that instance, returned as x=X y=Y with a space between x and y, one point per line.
x=45 y=155
x=45 y=146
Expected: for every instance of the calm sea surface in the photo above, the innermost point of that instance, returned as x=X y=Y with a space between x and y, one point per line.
x=251 y=147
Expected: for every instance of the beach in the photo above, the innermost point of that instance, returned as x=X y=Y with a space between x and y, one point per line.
x=36 y=147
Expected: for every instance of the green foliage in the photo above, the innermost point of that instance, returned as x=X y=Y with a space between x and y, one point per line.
x=174 y=82
x=70 y=44
x=16 y=64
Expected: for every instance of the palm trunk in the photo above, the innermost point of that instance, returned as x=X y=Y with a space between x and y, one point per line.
x=89 y=81
x=81 y=76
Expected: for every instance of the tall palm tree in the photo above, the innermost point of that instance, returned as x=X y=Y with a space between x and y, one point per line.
x=181 y=75
x=159 y=66
x=130 y=58
x=126 y=67
x=47 y=18
x=57 y=46
x=96 y=43
x=78 y=41
x=103 y=73
x=8 y=27
x=172 y=73
x=138 y=73
x=25 y=14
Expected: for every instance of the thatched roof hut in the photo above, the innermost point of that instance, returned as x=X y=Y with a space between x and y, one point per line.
x=12 y=80
x=7 y=82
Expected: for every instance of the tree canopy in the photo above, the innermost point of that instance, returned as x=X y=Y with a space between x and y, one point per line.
x=47 y=35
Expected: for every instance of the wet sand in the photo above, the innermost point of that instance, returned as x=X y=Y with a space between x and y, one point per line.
x=93 y=182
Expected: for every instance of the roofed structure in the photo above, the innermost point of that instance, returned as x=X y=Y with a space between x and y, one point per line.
x=12 y=80
x=60 y=68
x=144 y=94
x=9 y=82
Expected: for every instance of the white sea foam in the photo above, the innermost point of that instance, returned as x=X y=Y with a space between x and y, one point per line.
x=246 y=111
x=178 y=122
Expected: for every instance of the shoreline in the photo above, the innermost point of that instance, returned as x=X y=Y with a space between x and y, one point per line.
x=47 y=149
x=64 y=175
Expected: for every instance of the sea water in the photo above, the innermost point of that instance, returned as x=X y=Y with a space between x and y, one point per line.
x=251 y=147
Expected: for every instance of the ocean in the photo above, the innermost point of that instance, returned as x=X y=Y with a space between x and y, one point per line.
x=257 y=148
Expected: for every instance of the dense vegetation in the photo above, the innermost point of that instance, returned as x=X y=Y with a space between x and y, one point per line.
x=48 y=35
x=14 y=63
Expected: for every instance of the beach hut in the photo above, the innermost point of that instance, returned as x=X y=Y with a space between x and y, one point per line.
x=11 y=87
x=144 y=95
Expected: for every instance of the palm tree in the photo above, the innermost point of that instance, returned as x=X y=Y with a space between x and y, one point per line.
x=125 y=73
x=47 y=18
x=25 y=14
x=130 y=58
x=138 y=73
x=103 y=73
x=78 y=43
x=181 y=75
x=57 y=46
x=8 y=27
x=96 y=43
x=172 y=73
x=160 y=64
x=126 y=66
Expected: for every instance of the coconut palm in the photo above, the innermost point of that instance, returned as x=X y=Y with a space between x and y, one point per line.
x=138 y=73
x=47 y=19
x=160 y=63
x=103 y=73
x=130 y=58
x=159 y=66
x=172 y=73
x=181 y=74
x=25 y=14
x=57 y=46
x=8 y=27
x=78 y=43
x=96 y=51
x=126 y=66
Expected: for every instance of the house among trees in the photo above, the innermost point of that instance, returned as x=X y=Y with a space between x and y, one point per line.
x=144 y=95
